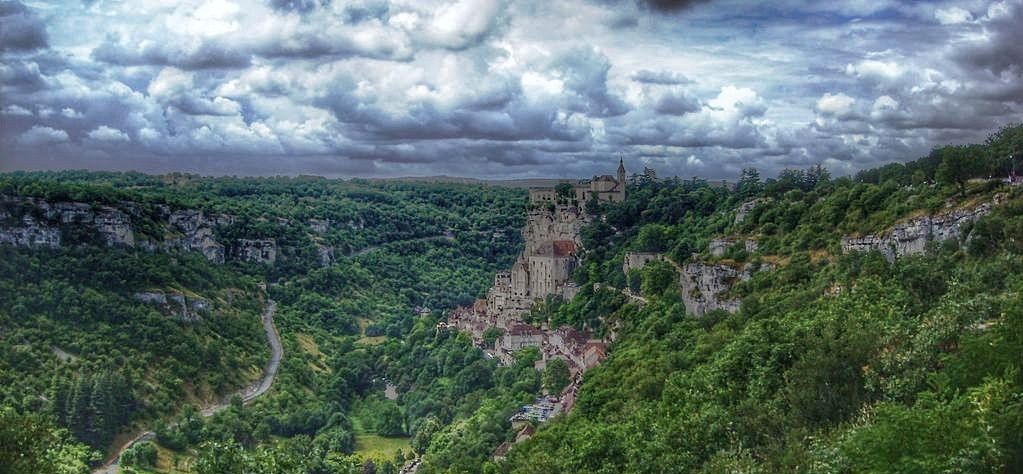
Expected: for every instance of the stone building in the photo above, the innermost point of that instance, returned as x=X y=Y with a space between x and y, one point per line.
x=637 y=260
x=605 y=188
x=519 y=336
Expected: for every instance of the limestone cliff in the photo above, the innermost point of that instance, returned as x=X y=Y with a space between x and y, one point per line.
x=42 y=223
x=176 y=305
x=552 y=240
x=196 y=232
x=912 y=236
x=703 y=285
x=544 y=226
x=35 y=222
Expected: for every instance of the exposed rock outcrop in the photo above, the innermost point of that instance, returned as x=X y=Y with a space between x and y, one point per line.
x=176 y=305
x=255 y=250
x=42 y=224
x=320 y=226
x=703 y=285
x=745 y=208
x=326 y=255
x=35 y=222
x=30 y=233
x=197 y=234
x=718 y=247
x=544 y=226
x=912 y=236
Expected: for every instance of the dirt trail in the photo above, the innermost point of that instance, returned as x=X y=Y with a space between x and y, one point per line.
x=248 y=393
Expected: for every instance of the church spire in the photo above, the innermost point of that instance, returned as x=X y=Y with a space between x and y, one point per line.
x=621 y=170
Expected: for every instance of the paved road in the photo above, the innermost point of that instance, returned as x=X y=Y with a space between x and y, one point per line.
x=248 y=393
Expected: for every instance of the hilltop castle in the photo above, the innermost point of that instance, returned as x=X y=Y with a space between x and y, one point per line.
x=604 y=188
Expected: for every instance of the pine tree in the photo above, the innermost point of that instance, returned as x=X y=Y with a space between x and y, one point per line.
x=78 y=415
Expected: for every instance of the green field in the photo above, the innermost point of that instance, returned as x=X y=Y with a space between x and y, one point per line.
x=376 y=447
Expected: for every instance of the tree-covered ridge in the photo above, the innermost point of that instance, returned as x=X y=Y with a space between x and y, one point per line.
x=79 y=345
x=361 y=213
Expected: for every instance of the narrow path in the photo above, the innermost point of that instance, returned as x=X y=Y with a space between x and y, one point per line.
x=248 y=393
x=626 y=292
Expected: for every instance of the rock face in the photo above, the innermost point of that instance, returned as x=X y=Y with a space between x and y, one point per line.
x=34 y=222
x=746 y=207
x=911 y=237
x=197 y=233
x=703 y=283
x=718 y=247
x=255 y=250
x=30 y=233
x=41 y=226
x=544 y=226
x=326 y=255
x=176 y=305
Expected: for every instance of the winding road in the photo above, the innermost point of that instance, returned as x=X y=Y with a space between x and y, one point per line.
x=248 y=393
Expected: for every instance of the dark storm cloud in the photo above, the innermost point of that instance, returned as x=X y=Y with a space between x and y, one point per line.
x=670 y=5
x=499 y=89
x=297 y=5
x=584 y=71
x=207 y=55
x=21 y=76
x=20 y=29
x=677 y=104
x=1001 y=50
x=660 y=77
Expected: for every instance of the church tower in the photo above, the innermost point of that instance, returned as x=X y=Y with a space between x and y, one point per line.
x=621 y=178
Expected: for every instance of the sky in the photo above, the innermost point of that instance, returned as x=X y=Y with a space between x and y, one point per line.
x=494 y=89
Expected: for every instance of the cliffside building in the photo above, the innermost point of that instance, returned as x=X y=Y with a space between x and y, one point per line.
x=605 y=188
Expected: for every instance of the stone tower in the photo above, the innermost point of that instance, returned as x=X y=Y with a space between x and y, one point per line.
x=621 y=177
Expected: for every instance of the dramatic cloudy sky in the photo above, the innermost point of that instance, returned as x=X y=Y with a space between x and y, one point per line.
x=500 y=89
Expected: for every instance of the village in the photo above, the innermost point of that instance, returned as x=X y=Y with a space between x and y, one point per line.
x=552 y=241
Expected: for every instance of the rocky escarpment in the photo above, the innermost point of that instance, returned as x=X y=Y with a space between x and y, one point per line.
x=196 y=232
x=255 y=250
x=44 y=224
x=746 y=207
x=35 y=222
x=176 y=305
x=913 y=236
x=704 y=285
x=719 y=246
x=563 y=223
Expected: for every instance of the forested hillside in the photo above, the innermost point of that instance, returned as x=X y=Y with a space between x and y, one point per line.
x=95 y=342
x=836 y=361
